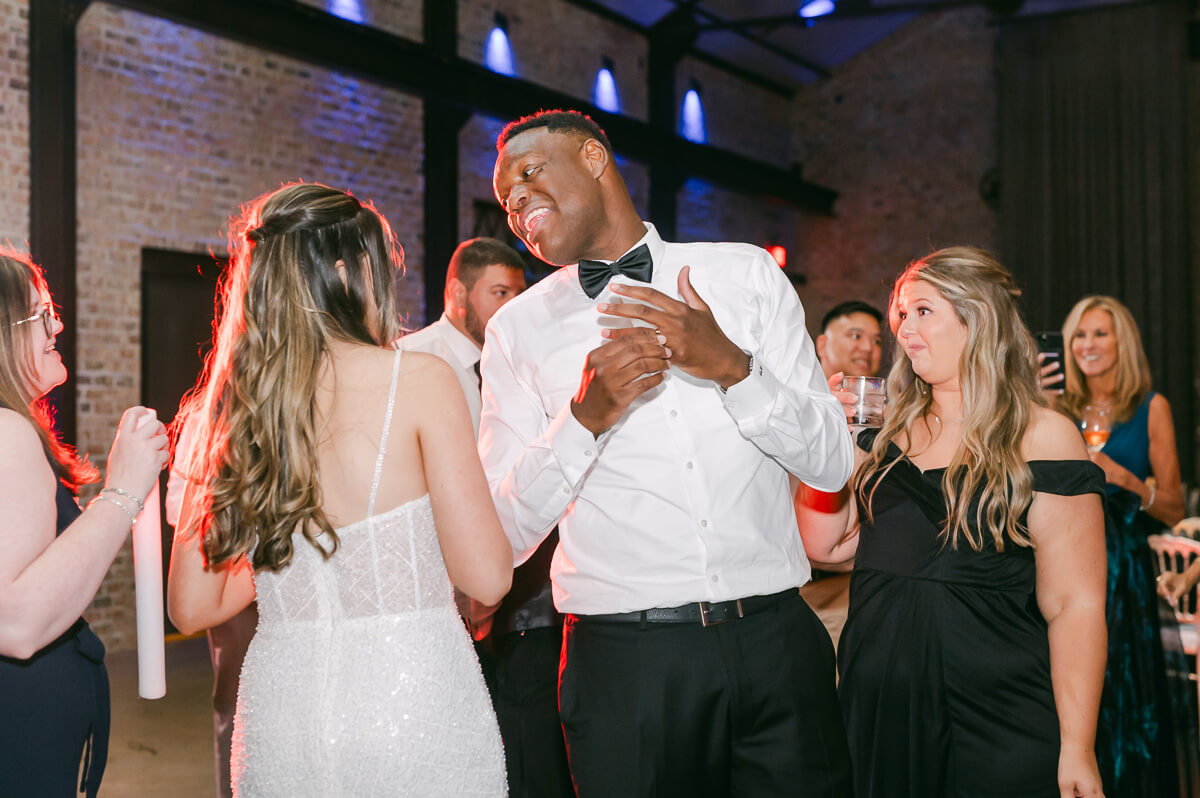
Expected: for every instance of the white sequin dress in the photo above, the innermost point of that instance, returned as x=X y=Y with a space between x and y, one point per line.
x=361 y=679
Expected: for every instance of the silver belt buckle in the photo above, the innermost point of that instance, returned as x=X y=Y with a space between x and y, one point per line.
x=704 y=621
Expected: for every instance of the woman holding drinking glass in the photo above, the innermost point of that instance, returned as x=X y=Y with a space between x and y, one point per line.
x=1132 y=437
x=53 y=686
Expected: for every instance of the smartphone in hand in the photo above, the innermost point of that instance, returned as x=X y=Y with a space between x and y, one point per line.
x=1050 y=347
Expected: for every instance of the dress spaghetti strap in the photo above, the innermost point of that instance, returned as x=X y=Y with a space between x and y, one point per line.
x=383 y=438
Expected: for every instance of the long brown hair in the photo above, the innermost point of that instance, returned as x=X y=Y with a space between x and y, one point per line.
x=1132 y=381
x=998 y=378
x=309 y=265
x=18 y=275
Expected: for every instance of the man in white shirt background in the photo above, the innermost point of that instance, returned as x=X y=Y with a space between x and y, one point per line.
x=518 y=641
x=651 y=398
x=850 y=343
x=483 y=274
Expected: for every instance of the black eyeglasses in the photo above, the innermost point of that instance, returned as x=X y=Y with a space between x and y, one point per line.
x=48 y=317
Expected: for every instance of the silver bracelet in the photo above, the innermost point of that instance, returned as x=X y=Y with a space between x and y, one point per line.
x=111 y=500
x=127 y=495
x=1146 y=506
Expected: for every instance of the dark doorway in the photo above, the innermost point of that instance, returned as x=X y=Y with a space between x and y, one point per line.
x=178 y=290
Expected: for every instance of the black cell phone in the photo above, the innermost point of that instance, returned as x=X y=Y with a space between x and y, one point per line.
x=1050 y=343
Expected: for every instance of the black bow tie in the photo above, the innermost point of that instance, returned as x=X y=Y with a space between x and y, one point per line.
x=595 y=274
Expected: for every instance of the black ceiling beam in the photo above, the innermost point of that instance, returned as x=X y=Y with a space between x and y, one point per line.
x=442 y=124
x=314 y=36
x=812 y=66
x=842 y=11
x=739 y=72
x=668 y=41
x=53 y=177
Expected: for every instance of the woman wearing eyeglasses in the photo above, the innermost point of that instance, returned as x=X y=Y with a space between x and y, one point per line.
x=53 y=686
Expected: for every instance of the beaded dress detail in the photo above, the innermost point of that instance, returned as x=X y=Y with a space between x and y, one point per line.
x=361 y=679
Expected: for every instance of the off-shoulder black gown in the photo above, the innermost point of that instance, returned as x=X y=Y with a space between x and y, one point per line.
x=945 y=661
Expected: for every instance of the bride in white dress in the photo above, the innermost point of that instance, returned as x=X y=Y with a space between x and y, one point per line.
x=337 y=479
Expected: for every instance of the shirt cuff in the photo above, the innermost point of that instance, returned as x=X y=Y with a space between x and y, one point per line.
x=574 y=446
x=749 y=402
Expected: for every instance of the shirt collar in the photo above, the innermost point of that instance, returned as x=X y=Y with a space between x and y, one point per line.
x=651 y=239
x=466 y=350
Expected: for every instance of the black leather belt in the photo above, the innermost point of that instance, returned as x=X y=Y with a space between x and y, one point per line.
x=705 y=613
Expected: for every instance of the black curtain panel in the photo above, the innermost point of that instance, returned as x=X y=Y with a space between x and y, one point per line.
x=1094 y=167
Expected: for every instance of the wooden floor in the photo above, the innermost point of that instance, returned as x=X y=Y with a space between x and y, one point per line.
x=162 y=748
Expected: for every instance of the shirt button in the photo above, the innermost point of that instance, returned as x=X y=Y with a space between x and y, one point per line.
x=690 y=465
x=704 y=523
x=587 y=452
x=716 y=578
x=674 y=413
x=566 y=490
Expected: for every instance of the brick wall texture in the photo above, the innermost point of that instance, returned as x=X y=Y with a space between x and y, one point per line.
x=14 y=122
x=903 y=131
x=177 y=128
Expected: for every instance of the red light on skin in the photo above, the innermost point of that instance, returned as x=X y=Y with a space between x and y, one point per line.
x=779 y=254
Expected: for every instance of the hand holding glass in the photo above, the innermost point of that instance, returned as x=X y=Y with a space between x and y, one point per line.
x=870 y=395
x=1096 y=423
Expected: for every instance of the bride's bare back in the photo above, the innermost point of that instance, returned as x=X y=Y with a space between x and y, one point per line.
x=430 y=449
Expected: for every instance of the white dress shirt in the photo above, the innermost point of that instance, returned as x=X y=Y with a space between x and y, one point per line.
x=686 y=498
x=444 y=340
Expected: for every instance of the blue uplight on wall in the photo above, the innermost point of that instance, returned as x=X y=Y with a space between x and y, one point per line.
x=604 y=93
x=346 y=9
x=497 y=54
x=817 y=8
x=692 y=126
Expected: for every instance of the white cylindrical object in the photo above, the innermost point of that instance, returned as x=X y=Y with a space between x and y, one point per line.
x=148 y=594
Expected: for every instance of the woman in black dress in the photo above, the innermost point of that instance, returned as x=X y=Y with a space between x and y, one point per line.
x=53 y=687
x=973 y=656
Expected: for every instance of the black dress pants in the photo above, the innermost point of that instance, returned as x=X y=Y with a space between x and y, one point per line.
x=746 y=708
x=524 y=686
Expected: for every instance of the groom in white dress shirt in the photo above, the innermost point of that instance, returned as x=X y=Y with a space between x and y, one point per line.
x=651 y=398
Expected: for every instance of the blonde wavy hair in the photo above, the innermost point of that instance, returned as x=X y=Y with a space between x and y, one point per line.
x=18 y=276
x=998 y=378
x=1133 y=368
x=309 y=265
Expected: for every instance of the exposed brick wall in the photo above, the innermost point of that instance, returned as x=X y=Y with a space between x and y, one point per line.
x=903 y=131
x=401 y=17
x=738 y=116
x=14 y=122
x=708 y=213
x=559 y=46
x=176 y=130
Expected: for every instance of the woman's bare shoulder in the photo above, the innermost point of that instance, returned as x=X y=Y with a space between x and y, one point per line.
x=18 y=435
x=1052 y=436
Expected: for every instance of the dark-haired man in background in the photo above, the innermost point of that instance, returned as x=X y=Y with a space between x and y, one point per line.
x=850 y=343
x=482 y=275
x=690 y=664
x=851 y=340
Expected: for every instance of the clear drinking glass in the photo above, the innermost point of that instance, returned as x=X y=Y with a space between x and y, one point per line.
x=1096 y=424
x=870 y=395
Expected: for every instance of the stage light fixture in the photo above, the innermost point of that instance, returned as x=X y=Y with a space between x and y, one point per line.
x=604 y=93
x=692 y=124
x=817 y=8
x=497 y=54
